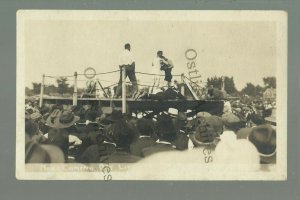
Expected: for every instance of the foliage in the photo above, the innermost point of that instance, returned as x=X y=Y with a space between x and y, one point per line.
x=217 y=82
x=270 y=82
x=36 y=88
x=63 y=86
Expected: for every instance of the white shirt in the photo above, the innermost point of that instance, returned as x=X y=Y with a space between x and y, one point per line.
x=156 y=65
x=126 y=58
x=227 y=107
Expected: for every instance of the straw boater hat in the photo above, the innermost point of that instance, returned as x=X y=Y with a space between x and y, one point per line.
x=65 y=119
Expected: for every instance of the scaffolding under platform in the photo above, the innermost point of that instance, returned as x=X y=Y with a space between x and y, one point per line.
x=214 y=107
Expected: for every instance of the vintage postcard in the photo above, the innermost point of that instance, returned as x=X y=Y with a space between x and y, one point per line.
x=151 y=95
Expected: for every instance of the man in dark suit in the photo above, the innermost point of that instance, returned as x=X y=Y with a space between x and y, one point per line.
x=123 y=134
x=145 y=128
x=166 y=133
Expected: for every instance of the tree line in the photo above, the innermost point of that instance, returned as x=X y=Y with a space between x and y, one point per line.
x=224 y=82
x=61 y=87
x=250 y=89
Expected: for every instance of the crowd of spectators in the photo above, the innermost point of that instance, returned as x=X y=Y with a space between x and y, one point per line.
x=88 y=134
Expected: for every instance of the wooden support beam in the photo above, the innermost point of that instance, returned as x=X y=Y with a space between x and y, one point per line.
x=189 y=86
x=42 y=91
x=75 y=90
x=123 y=90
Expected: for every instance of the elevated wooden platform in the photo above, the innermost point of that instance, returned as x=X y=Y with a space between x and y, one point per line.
x=211 y=106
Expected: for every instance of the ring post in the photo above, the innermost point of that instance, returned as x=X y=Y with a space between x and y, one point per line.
x=75 y=90
x=182 y=87
x=123 y=90
x=42 y=91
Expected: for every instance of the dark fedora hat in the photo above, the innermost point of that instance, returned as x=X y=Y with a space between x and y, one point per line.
x=145 y=126
x=264 y=139
x=65 y=119
x=115 y=116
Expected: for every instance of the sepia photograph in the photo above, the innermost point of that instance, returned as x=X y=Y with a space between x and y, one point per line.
x=151 y=95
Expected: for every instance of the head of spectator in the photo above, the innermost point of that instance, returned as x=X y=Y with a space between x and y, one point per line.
x=42 y=123
x=202 y=136
x=34 y=153
x=44 y=109
x=264 y=139
x=41 y=153
x=201 y=118
x=123 y=134
x=57 y=107
x=91 y=118
x=127 y=46
x=216 y=124
x=79 y=111
x=59 y=137
x=165 y=128
x=208 y=131
x=35 y=116
x=145 y=127
x=232 y=122
x=52 y=116
x=65 y=120
x=115 y=116
x=27 y=115
x=31 y=128
x=243 y=133
x=181 y=121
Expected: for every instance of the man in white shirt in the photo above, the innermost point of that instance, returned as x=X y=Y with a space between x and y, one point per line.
x=126 y=60
x=157 y=72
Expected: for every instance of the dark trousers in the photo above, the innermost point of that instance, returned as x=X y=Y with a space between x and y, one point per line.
x=168 y=74
x=130 y=72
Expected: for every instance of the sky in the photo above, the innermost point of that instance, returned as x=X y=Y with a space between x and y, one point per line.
x=245 y=50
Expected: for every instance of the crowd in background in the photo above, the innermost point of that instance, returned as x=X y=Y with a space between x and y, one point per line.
x=89 y=134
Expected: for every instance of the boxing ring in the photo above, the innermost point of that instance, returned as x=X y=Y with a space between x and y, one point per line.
x=129 y=105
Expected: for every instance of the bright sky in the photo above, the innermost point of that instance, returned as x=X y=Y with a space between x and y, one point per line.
x=245 y=50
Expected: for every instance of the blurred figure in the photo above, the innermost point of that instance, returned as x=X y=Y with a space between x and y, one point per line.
x=145 y=128
x=37 y=153
x=166 y=133
x=238 y=155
